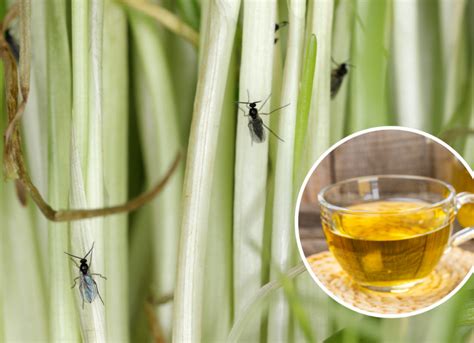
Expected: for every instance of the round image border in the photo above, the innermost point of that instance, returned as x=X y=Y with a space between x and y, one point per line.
x=298 y=204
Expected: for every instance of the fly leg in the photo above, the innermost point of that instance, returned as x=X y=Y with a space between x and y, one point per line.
x=75 y=263
x=245 y=113
x=75 y=277
x=272 y=132
x=74 y=285
x=276 y=109
x=261 y=106
x=98 y=293
x=82 y=294
x=100 y=275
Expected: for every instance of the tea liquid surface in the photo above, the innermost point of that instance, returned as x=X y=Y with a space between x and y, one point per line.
x=400 y=245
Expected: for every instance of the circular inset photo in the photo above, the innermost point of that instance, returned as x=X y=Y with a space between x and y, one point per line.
x=385 y=222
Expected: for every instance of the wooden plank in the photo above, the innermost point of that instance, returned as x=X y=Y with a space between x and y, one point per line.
x=443 y=162
x=383 y=152
x=319 y=179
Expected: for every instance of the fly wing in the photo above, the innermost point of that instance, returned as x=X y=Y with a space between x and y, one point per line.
x=88 y=288
x=336 y=82
x=257 y=133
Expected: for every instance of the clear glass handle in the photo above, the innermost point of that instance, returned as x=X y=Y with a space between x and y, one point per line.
x=466 y=234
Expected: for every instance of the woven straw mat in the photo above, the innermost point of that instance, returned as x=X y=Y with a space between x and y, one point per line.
x=451 y=270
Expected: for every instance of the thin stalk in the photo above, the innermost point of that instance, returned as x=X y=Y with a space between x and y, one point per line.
x=200 y=168
x=368 y=81
x=444 y=320
x=432 y=69
x=318 y=310
x=63 y=325
x=407 y=62
x=24 y=304
x=35 y=125
x=252 y=158
x=86 y=154
x=115 y=145
x=394 y=330
x=219 y=250
x=459 y=76
x=265 y=250
x=304 y=104
x=140 y=274
x=341 y=45
x=318 y=137
x=283 y=208
x=183 y=67
x=24 y=314
x=166 y=18
x=190 y=11
x=252 y=308
x=35 y=121
x=160 y=134
x=452 y=16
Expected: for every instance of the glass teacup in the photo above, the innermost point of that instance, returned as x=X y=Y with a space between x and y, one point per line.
x=389 y=232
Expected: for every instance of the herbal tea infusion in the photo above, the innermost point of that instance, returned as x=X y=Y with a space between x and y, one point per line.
x=389 y=243
x=389 y=232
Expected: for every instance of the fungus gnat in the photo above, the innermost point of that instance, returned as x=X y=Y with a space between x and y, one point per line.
x=87 y=285
x=277 y=27
x=256 y=124
x=337 y=76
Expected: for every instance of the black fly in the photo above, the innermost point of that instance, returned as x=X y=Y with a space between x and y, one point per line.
x=87 y=285
x=256 y=123
x=337 y=76
x=277 y=27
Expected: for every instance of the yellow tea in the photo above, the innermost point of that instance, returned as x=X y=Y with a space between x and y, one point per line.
x=387 y=243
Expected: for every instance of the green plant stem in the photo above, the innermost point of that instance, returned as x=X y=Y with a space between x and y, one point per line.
x=317 y=307
x=115 y=136
x=166 y=18
x=23 y=296
x=304 y=104
x=453 y=43
x=24 y=304
x=86 y=154
x=63 y=325
x=407 y=62
x=318 y=137
x=219 y=249
x=140 y=242
x=160 y=134
x=35 y=122
x=200 y=168
x=368 y=80
x=341 y=45
x=432 y=69
x=283 y=205
x=250 y=186
x=252 y=308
